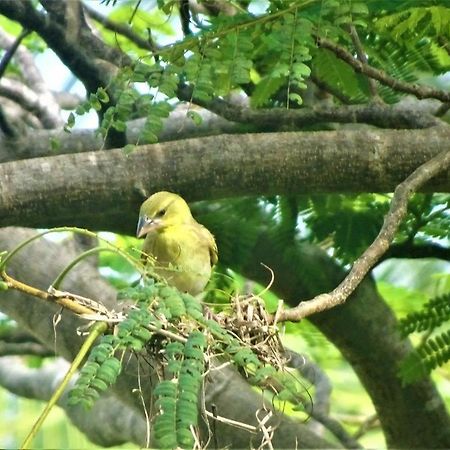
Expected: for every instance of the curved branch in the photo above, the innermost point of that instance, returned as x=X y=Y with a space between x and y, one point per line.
x=42 y=106
x=380 y=245
x=7 y=57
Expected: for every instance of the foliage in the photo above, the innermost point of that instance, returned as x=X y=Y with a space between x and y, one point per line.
x=170 y=327
x=269 y=55
x=434 y=350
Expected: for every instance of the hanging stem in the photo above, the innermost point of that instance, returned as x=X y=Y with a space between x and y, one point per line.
x=98 y=329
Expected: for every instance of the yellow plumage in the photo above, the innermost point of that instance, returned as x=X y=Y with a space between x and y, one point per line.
x=184 y=251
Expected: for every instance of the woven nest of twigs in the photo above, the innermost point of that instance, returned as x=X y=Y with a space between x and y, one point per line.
x=248 y=320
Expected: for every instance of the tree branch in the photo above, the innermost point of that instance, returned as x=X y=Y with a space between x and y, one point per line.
x=76 y=187
x=42 y=106
x=363 y=58
x=417 y=90
x=123 y=30
x=177 y=126
x=380 y=245
x=7 y=57
x=411 y=250
x=379 y=115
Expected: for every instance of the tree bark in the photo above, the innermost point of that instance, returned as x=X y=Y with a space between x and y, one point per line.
x=76 y=187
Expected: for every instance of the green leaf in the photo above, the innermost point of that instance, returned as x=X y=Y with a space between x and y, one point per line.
x=129 y=148
x=195 y=117
x=70 y=122
x=95 y=103
x=295 y=98
x=102 y=95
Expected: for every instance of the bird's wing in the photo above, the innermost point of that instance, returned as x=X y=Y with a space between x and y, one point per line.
x=207 y=237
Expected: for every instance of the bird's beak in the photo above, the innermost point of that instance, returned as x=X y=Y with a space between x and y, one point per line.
x=145 y=225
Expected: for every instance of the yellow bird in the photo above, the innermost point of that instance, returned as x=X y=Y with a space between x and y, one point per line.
x=184 y=251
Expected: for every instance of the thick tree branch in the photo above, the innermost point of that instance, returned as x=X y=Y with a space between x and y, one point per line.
x=69 y=16
x=411 y=250
x=24 y=12
x=380 y=245
x=76 y=187
x=179 y=126
x=420 y=91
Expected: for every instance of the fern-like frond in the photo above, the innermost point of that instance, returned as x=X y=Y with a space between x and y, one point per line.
x=433 y=314
x=432 y=353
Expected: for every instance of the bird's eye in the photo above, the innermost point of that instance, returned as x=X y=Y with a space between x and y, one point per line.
x=161 y=213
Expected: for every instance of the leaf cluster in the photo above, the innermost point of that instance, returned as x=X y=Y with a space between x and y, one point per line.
x=171 y=329
x=434 y=349
x=270 y=54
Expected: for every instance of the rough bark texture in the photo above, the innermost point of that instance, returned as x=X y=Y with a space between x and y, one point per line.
x=76 y=187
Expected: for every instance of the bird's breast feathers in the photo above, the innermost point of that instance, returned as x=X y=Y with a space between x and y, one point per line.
x=187 y=251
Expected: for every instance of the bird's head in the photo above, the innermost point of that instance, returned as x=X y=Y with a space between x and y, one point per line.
x=162 y=210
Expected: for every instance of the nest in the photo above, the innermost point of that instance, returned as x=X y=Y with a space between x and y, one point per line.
x=248 y=320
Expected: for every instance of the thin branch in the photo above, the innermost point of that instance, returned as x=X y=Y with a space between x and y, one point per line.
x=370 y=423
x=119 y=29
x=67 y=301
x=361 y=54
x=380 y=245
x=417 y=90
x=323 y=85
x=10 y=52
